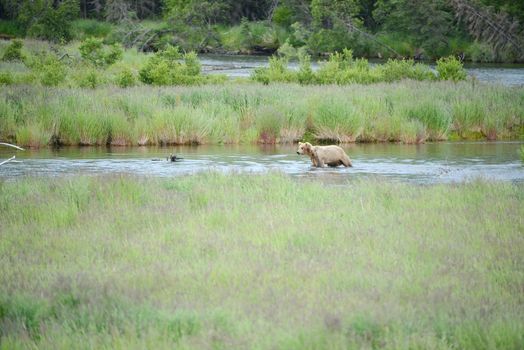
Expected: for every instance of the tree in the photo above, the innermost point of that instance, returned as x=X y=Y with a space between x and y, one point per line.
x=427 y=22
x=497 y=29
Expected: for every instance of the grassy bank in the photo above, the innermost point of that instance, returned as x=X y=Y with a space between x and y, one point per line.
x=216 y=261
x=408 y=111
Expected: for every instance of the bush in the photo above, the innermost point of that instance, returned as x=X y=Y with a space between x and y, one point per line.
x=125 y=78
x=276 y=72
x=89 y=78
x=330 y=72
x=342 y=69
x=6 y=78
x=13 y=52
x=94 y=51
x=166 y=68
x=450 y=68
x=395 y=70
x=305 y=74
x=48 y=68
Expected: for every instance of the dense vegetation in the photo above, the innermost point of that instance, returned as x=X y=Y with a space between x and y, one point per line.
x=245 y=262
x=407 y=111
x=481 y=30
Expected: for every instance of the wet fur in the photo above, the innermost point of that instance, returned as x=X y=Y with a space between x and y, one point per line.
x=321 y=156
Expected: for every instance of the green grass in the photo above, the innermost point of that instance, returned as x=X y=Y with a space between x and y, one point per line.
x=245 y=261
x=406 y=111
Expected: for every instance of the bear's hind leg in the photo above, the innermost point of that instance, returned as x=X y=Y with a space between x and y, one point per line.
x=347 y=162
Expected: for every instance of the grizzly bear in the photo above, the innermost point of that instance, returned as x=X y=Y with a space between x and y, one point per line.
x=324 y=155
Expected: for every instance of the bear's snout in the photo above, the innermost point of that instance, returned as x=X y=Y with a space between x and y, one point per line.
x=298 y=152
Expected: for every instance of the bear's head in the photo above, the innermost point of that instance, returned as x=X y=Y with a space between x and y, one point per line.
x=304 y=148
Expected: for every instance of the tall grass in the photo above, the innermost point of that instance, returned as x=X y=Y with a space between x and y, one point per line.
x=408 y=112
x=244 y=261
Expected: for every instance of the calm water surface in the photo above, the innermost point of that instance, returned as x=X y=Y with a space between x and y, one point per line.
x=243 y=66
x=425 y=164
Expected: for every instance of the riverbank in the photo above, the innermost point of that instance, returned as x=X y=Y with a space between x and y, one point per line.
x=408 y=111
x=259 y=262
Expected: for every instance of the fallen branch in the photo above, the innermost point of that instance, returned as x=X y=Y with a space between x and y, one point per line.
x=8 y=160
x=10 y=145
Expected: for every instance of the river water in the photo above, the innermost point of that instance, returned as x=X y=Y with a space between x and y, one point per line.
x=243 y=66
x=446 y=162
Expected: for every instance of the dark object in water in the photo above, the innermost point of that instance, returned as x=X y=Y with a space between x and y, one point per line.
x=173 y=158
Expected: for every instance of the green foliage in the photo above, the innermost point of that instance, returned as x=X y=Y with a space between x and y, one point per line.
x=435 y=118
x=88 y=78
x=450 y=68
x=427 y=23
x=342 y=69
x=276 y=72
x=11 y=28
x=166 y=68
x=49 y=70
x=94 y=51
x=283 y=15
x=480 y=52
x=86 y=28
x=13 y=52
x=395 y=70
x=305 y=75
x=233 y=113
x=44 y=21
x=6 y=78
x=125 y=78
x=421 y=296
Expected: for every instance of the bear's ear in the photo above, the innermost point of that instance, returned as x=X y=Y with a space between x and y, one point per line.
x=307 y=146
x=300 y=143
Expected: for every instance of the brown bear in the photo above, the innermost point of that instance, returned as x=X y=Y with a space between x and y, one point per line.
x=324 y=155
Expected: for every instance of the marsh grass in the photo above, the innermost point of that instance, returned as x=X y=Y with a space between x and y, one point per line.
x=247 y=113
x=245 y=261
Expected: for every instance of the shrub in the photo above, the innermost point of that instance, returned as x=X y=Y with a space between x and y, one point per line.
x=167 y=68
x=276 y=72
x=330 y=71
x=48 y=68
x=305 y=74
x=450 y=68
x=125 y=78
x=13 y=52
x=6 y=78
x=94 y=51
x=395 y=70
x=89 y=78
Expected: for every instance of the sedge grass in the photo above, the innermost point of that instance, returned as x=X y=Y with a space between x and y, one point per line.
x=245 y=261
x=406 y=111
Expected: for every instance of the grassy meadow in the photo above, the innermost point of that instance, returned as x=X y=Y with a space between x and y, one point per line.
x=406 y=111
x=260 y=262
